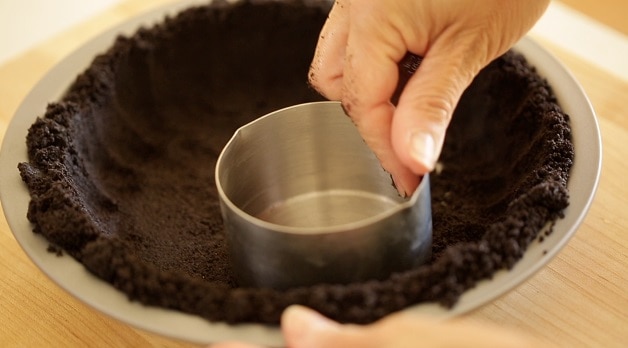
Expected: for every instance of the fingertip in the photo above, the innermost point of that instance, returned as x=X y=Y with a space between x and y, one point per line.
x=422 y=151
x=299 y=320
x=233 y=345
x=416 y=143
x=419 y=125
x=418 y=148
x=305 y=328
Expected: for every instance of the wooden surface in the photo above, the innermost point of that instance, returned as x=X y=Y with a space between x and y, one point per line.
x=579 y=300
x=610 y=12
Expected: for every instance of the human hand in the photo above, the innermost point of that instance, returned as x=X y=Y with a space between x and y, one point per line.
x=304 y=328
x=363 y=41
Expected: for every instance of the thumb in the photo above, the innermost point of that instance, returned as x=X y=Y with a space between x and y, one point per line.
x=426 y=106
x=305 y=328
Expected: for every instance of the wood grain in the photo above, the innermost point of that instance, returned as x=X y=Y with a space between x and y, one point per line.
x=578 y=300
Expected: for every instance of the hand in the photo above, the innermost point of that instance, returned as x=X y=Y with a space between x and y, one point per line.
x=304 y=328
x=363 y=41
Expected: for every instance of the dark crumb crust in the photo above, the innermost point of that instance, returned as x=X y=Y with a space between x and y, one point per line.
x=119 y=185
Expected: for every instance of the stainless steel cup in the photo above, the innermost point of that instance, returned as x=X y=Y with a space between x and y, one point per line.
x=305 y=201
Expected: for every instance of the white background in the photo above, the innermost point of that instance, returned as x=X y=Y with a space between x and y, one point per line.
x=25 y=23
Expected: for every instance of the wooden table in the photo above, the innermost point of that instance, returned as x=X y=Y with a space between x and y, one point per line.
x=579 y=299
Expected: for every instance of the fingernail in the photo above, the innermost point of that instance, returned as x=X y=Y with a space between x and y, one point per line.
x=422 y=148
x=303 y=322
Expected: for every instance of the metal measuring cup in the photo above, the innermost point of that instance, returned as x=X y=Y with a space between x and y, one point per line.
x=305 y=201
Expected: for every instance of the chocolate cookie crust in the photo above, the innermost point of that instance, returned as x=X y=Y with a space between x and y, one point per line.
x=121 y=169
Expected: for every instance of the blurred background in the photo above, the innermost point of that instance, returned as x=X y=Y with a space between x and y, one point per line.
x=25 y=23
x=587 y=28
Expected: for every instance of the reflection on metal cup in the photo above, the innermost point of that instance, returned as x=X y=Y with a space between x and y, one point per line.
x=305 y=201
